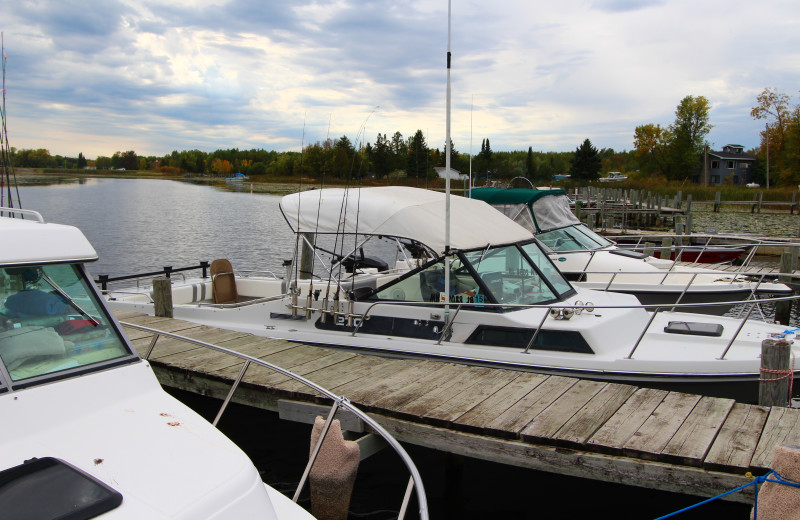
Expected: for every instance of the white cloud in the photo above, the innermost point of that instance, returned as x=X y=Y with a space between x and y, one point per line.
x=101 y=76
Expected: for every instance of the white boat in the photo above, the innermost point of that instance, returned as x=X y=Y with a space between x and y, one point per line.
x=592 y=261
x=613 y=177
x=87 y=429
x=507 y=304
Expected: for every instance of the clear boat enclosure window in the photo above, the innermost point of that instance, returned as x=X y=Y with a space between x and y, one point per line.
x=51 y=321
x=553 y=211
x=427 y=284
x=519 y=213
x=505 y=274
x=573 y=238
x=508 y=275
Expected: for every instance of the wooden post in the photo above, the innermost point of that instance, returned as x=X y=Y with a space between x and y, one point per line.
x=666 y=247
x=162 y=297
x=649 y=248
x=689 y=224
x=760 y=199
x=717 y=200
x=783 y=310
x=773 y=387
x=791 y=207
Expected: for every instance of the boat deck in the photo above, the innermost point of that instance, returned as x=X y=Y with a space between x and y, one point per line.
x=613 y=432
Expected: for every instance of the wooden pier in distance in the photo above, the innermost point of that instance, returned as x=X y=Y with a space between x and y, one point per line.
x=618 y=433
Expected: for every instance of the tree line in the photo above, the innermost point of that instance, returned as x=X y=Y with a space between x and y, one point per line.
x=672 y=152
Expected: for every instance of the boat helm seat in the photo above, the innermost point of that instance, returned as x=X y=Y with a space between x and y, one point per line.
x=223 y=282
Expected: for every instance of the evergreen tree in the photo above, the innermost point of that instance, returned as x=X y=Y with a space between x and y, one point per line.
x=530 y=165
x=586 y=163
x=382 y=156
x=417 y=159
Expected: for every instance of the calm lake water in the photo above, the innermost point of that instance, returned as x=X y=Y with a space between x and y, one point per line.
x=139 y=225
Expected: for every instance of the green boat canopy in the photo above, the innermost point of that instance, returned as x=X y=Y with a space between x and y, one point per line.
x=536 y=210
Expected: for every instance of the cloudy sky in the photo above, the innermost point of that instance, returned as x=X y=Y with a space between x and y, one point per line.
x=100 y=76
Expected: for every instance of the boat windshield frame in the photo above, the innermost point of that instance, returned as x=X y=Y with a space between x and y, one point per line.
x=45 y=336
x=497 y=274
x=579 y=234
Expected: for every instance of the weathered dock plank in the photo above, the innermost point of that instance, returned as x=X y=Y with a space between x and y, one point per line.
x=737 y=439
x=782 y=427
x=691 y=442
x=612 y=436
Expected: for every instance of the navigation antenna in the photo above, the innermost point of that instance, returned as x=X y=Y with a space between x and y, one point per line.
x=8 y=178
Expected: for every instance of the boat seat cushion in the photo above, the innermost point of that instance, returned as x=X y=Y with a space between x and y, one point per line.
x=694 y=328
x=223 y=282
x=23 y=343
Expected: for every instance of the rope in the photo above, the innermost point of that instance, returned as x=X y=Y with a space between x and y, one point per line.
x=779 y=479
x=784 y=374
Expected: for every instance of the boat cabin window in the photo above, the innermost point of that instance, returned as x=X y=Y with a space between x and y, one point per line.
x=51 y=321
x=509 y=276
x=502 y=274
x=573 y=238
x=427 y=285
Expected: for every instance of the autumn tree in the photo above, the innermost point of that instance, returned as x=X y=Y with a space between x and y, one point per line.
x=651 y=143
x=675 y=151
x=780 y=139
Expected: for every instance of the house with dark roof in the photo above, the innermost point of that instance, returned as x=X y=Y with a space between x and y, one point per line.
x=731 y=163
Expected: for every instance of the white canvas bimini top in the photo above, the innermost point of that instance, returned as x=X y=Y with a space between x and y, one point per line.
x=29 y=242
x=403 y=212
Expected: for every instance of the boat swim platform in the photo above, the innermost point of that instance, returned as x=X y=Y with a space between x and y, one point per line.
x=670 y=441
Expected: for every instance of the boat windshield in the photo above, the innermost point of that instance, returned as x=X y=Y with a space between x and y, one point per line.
x=573 y=238
x=518 y=274
x=51 y=321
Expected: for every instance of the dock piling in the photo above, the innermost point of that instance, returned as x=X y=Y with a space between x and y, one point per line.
x=162 y=297
x=773 y=387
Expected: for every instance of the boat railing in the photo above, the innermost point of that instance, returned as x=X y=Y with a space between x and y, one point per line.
x=13 y=211
x=415 y=484
x=104 y=280
x=564 y=311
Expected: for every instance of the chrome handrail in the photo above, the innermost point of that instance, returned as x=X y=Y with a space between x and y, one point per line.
x=338 y=401
x=35 y=214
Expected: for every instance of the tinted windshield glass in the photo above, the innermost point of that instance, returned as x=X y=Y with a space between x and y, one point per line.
x=510 y=277
x=572 y=238
x=51 y=321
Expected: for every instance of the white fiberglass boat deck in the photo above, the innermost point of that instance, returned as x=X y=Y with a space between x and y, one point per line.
x=507 y=304
x=87 y=429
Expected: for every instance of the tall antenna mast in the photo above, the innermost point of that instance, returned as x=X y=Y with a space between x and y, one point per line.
x=447 y=180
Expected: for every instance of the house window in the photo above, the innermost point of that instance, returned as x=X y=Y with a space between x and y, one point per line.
x=715 y=165
x=744 y=165
x=731 y=165
x=715 y=179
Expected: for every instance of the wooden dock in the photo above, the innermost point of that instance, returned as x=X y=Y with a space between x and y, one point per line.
x=618 y=433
